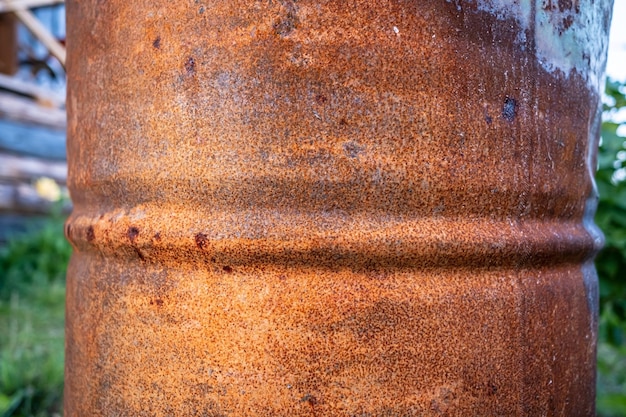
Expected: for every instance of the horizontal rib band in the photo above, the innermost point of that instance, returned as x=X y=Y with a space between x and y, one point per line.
x=172 y=235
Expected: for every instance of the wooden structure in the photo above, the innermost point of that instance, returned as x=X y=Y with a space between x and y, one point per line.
x=32 y=117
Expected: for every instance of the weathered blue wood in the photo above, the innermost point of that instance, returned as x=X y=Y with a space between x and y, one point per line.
x=29 y=140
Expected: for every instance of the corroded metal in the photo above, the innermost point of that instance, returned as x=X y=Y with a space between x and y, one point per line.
x=324 y=208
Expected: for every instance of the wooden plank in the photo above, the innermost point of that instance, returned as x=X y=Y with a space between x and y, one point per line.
x=25 y=110
x=41 y=32
x=43 y=96
x=23 y=198
x=13 y=5
x=20 y=168
x=29 y=140
x=8 y=45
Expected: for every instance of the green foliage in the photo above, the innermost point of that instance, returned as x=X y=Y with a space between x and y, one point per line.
x=611 y=262
x=611 y=399
x=32 y=301
x=34 y=261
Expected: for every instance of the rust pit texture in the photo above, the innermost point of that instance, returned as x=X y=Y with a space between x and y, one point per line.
x=325 y=208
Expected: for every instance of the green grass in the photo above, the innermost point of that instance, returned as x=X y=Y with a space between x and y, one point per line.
x=32 y=304
x=611 y=399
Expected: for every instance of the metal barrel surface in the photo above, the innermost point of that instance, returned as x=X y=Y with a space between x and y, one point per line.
x=333 y=208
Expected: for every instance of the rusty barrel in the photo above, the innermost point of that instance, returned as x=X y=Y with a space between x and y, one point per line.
x=333 y=208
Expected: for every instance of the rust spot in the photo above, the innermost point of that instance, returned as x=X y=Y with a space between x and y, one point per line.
x=289 y=22
x=157 y=301
x=320 y=99
x=343 y=122
x=352 y=149
x=310 y=399
x=565 y=5
x=284 y=27
x=157 y=42
x=190 y=66
x=202 y=241
x=509 y=109
x=157 y=236
x=213 y=260
x=90 y=234
x=227 y=269
x=201 y=10
x=132 y=233
x=492 y=389
x=567 y=23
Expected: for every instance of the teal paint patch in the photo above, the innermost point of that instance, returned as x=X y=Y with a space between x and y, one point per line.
x=569 y=35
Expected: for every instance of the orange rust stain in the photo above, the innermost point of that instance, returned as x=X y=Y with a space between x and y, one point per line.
x=323 y=209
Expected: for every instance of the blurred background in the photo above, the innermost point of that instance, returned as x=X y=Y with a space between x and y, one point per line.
x=34 y=202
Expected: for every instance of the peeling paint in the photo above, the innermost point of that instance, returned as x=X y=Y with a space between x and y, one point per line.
x=567 y=36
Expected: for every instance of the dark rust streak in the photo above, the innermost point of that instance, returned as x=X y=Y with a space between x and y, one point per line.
x=132 y=233
x=190 y=66
x=202 y=241
x=90 y=234
x=139 y=253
